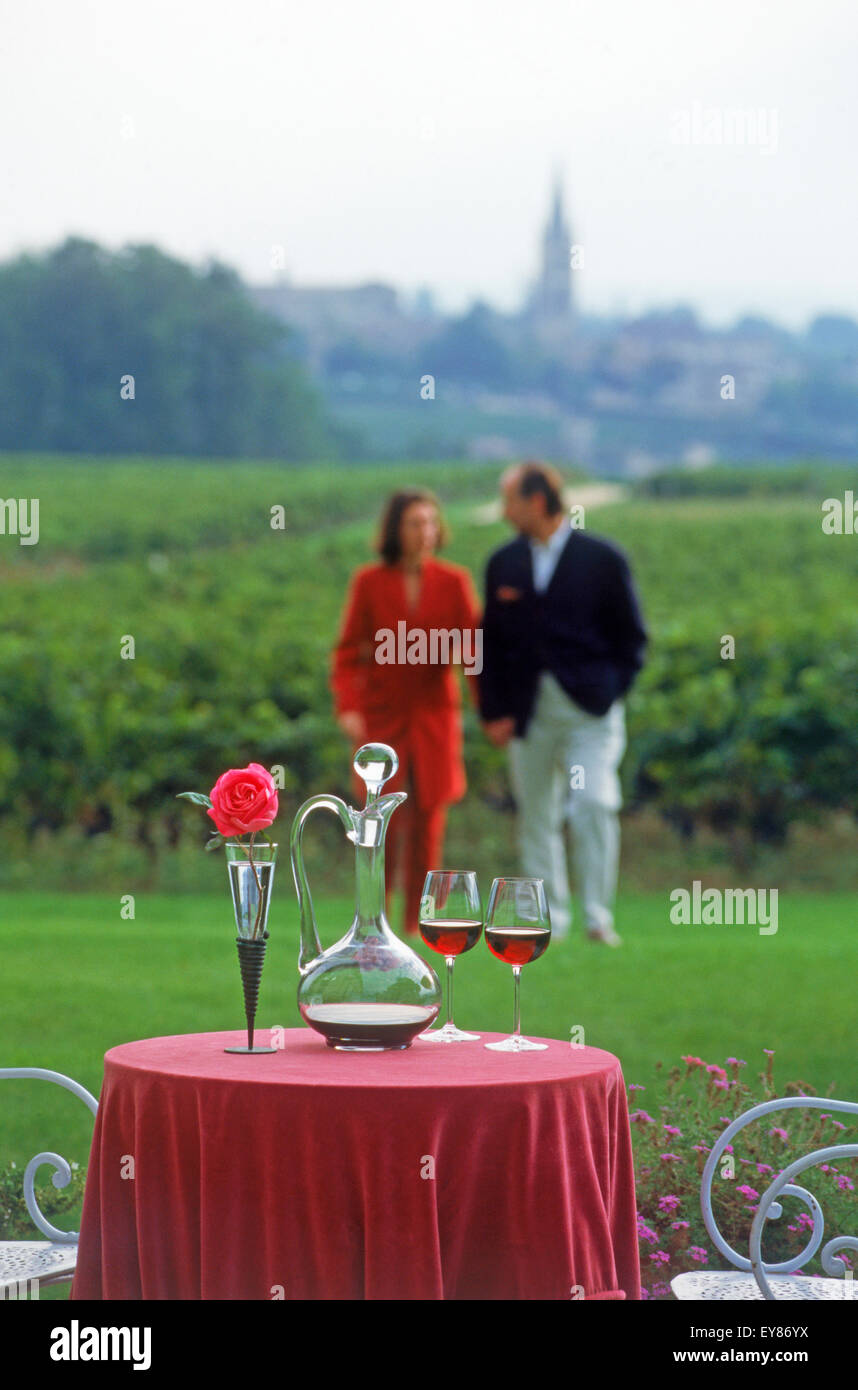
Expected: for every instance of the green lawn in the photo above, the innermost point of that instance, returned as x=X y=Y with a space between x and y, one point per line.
x=78 y=979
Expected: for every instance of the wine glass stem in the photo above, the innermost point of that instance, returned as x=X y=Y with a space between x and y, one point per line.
x=451 y=961
x=516 y=974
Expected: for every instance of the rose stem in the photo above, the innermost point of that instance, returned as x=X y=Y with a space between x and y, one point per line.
x=249 y=849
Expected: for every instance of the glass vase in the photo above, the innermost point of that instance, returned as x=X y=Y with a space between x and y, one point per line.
x=251 y=874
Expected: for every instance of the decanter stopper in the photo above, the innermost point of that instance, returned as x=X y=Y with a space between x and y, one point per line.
x=375 y=763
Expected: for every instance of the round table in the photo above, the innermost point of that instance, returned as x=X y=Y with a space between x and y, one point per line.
x=438 y=1172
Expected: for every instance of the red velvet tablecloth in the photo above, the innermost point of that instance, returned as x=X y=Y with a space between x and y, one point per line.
x=439 y=1172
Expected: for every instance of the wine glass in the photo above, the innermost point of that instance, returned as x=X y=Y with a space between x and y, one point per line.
x=518 y=930
x=451 y=919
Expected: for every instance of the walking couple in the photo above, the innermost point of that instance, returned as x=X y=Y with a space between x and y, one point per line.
x=562 y=641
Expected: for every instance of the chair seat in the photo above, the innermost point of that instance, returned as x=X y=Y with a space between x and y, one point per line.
x=731 y=1285
x=21 y=1260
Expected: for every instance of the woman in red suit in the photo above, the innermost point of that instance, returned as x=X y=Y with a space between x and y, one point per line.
x=414 y=705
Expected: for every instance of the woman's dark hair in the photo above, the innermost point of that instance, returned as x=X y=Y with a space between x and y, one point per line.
x=389 y=546
x=541 y=477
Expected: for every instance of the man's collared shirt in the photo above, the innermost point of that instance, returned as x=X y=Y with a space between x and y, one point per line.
x=545 y=555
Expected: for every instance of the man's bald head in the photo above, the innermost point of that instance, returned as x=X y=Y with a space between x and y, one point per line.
x=533 y=497
x=511 y=476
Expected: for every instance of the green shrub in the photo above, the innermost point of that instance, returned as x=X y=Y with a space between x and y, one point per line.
x=60 y=1206
x=671 y=1149
x=234 y=624
x=723 y=480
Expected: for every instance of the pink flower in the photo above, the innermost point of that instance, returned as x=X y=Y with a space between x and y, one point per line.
x=644 y=1233
x=748 y=1192
x=722 y=1085
x=713 y=1068
x=837 y=1124
x=635 y=1087
x=781 y=1133
x=768 y=1051
x=698 y=1253
x=765 y=1168
x=660 y=1290
x=641 y=1117
x=660 y=1257
x=679 y=1225
x=735 y=1062
x=694 y=1061
x=675 y=1158
x=668 y=1203
x=845 y=1184
x=244 y=800
x=673 y=1131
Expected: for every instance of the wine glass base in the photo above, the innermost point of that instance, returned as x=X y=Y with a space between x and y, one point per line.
x=449 y=1033
x=251 y=1050
x=515 y=1044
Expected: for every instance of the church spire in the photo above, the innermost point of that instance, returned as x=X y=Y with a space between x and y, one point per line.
x=557 y=221
x=552 y=298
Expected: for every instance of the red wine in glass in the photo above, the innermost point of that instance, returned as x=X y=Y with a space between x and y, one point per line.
x=451 y=919
x=518 y=930
x=517 y=945
x=452 y=936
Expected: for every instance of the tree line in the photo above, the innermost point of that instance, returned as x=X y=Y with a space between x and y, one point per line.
x=136 y=352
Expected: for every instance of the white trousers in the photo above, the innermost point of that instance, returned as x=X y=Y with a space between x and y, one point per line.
x=566 y=768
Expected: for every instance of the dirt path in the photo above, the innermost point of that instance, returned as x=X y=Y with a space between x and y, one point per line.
x=587 y=495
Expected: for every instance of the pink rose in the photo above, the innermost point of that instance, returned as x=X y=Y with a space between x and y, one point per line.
x=243 y=800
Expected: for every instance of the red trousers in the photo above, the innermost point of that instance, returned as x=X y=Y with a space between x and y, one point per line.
x=414 y=845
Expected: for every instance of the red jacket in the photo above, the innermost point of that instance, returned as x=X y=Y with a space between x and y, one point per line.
x=416 y=708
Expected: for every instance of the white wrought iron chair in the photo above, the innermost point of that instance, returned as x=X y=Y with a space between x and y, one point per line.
x=24 y=1263
x=755 y=1279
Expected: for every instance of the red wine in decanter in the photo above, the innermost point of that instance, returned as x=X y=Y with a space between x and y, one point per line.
x=368 y=1027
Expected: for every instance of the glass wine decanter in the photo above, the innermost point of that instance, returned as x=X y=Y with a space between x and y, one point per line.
x=369 y=992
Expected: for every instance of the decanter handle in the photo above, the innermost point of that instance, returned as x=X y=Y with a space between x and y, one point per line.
x=311 y=947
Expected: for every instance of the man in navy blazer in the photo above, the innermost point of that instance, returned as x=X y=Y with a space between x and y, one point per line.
x=563 y=639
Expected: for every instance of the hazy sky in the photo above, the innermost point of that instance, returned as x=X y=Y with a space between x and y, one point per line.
x=415 y=143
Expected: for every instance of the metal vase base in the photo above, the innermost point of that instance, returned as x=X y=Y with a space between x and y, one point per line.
x=251 y=957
